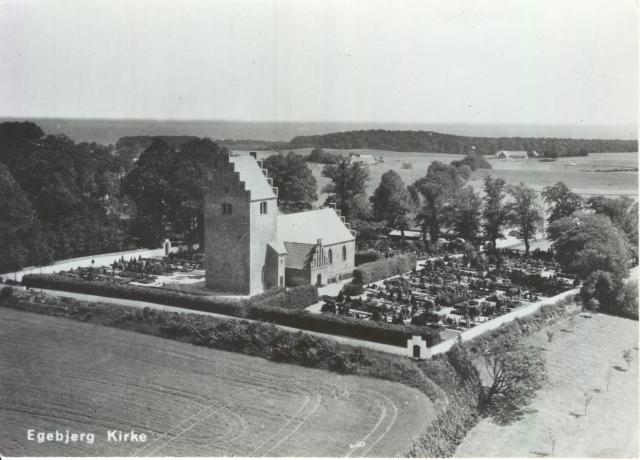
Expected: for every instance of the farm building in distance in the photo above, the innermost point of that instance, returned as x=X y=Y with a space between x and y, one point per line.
x=511 y=154
x=250 y=248
x=364 y=159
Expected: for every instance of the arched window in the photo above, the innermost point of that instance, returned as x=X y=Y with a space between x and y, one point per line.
x=330 y=256
x=344 y=253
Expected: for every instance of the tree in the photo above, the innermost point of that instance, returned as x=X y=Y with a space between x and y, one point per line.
x=623 y=212
x=465 y=213
x=296 y=184
x=561 y=200
x=148 y=185
x=187 y=181
x=392 y=202
x=524 y=213
x=584 y=243
x=628 y=299
x=494 y=212
x=515 y=372
x=601 y=286
x=21 y=238
x=348 y=186
x=628 y=357
x=435 y=190
x=588 y=397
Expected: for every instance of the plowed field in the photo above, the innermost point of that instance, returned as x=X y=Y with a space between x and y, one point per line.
x=57 y=374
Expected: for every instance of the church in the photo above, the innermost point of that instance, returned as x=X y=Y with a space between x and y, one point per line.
x=250 y=247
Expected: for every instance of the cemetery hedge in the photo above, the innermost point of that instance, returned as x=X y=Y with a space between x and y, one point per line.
x=279 y=306
x=384 y=268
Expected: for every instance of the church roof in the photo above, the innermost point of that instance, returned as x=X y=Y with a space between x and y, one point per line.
x=309 y=226
x=278 y=247
x=299 y=255
x=251 y=174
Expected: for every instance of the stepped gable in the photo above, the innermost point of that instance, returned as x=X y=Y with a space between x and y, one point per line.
x=310 y=226
x=253 y=177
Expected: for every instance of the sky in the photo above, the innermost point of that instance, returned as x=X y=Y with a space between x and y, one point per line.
x=449 y=61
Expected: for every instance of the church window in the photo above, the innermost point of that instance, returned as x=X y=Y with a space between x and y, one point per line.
x=226 y=208
x=263 y=207
x=344 y=253
x=330 y=256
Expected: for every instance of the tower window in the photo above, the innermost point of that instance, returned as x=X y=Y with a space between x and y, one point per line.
x=263 y=207
x=330 y=256
x=226 y=208
x=344 y=253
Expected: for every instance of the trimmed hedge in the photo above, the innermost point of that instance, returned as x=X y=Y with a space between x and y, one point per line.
x=295 y=298
x=384 y=268
x=391 y=334
x=129 y=292
x=364 y=257
x=279 y=306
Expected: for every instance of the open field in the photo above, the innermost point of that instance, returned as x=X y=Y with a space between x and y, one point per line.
x=579 y=359
x=591 y=175
x=61 y=374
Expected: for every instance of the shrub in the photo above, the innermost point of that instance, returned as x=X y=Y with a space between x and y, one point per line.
x=352 y=289
x=295 y=298
x=391 y=334
x=125 y=291
x=628 y=300
x=363 y=257
x=384 y=268
x=6 y=293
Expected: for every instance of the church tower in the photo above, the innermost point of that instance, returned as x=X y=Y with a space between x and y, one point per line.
x=241 y=211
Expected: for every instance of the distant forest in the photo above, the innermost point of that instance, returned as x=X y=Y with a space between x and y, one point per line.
x=431 y=142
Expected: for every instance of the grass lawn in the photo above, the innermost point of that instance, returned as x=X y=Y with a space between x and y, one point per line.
x=62 y=374
x=580 y=359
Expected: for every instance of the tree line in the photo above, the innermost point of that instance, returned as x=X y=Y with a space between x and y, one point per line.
x=432 y=142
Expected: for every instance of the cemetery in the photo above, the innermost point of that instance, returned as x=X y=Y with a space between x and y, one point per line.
x=454 y=292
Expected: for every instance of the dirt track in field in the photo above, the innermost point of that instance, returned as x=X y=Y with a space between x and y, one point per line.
x=61 y=374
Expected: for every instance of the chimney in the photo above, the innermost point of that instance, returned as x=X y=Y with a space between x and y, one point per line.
x=254 y=155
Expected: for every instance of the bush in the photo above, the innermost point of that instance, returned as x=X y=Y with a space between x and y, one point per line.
x=474 y=161
x=295 y=298
x=352 y=289
x=318 y=155
x=145 y=294
x=384 y=268
x=628 y=300
x=363 y=257
x=391 y=334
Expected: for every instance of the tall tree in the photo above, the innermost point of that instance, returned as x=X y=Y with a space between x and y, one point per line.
x=525 y=213
x=186 y=182
x=347 y=188
x=148 y=186
x=392 y=202
x=465 y=213
x=21 y=239
x=561 y=201
x=436 y=189
x=584 y=243
x=515 y=372
x=296 y=185
x=494 y=212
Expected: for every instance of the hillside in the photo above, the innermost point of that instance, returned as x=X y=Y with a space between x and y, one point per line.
x=433 y=142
